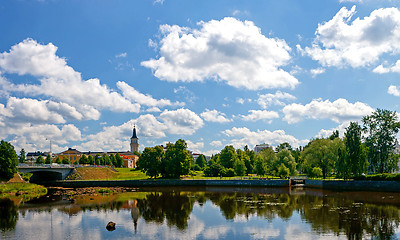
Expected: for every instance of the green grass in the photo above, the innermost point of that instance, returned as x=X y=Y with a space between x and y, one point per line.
x=199 y=175
x=129 y=174
x=27 y=190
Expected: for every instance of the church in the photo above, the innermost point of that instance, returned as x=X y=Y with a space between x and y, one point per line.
x=129 y=157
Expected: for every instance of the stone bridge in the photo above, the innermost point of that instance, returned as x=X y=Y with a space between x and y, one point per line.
x=45 y=173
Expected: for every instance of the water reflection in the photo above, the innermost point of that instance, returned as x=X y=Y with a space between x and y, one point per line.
x=275 y=213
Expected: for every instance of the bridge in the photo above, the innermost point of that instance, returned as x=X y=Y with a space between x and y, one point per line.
x=47 y=172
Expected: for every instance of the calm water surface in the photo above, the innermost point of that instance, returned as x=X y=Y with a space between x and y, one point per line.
x=205 y=213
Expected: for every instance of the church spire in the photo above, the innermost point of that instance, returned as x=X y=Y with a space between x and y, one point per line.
x=134 y=132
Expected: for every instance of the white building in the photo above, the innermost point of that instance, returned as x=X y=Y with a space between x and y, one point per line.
x=260 y=147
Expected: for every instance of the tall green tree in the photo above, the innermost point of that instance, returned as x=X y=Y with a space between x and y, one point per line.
x=268 y=157
x=39 y=160
x=83 y=159
x=48 y=159
x=65 y=160
x=239 y=167
x=58 y=160
x=228 y=157
x=8 y=160
x=97 y=159
x=150 y=161
x=90 y=160
x=22 y=156
x=283 y=146
x=322 y=153
x=352 y=160
x=113 y=160
x=201 y=161
x=177 y=160
x=118 y=160
x=381 y=128
x=285 y=157
x=260 y=166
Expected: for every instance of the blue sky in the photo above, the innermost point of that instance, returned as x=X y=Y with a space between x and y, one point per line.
x=214 y=73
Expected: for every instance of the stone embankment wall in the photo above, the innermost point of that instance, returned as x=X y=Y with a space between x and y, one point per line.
x=338 y=185
x=173 y=182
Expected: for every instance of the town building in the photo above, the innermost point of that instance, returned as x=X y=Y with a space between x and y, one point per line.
x=260 y=147
x=134 y=141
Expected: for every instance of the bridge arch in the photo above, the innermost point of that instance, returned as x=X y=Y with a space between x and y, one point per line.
x=45 y=176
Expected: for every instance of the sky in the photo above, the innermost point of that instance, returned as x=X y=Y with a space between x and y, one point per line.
x=81 y=74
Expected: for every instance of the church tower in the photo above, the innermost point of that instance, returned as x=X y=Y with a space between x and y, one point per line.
x=134 y=141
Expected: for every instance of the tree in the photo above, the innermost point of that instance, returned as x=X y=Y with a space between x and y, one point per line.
x=381 y=128
x=58 y=160
x=335 y=134
x=269 y=158
x=39 y=160
x=65 y=160
x=91 y=160
x=21 y=156
x=118 y=160
x=260 y=166
x=283 y=146
x=352 y=160
x=244 y=157
x=283 y=172
x=48 y=159
x=285 y=157
x=239 y=167
x=228 y=157
x=321 y=153
x=150 y=161
x=201 y=161
x=113 y=160
x=97 y=159
x=83 y=159
x=8 y=160
x=106 y=160
x=177 y=160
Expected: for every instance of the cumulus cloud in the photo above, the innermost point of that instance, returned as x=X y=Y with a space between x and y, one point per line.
x=244 y=136
x=341 y=42
x=324 y=133
x=195 y=146
x=216 y=143
x=338 y=111
x=394 y=90
x=113 y=138
x=255 y=115
x=181 y=121
x=144 y=99
x=315 y=72
x=58 y=80
x=214 y=116
x=36 y=136
x=265 y=100
x=228 y=50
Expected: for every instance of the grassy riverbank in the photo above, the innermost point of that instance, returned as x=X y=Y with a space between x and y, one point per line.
x=24 y=190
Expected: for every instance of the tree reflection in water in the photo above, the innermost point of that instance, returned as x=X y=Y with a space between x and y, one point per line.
x=325 y=212
x=8 y=214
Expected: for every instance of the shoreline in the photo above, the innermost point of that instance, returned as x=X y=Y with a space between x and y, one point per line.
x=337 y=185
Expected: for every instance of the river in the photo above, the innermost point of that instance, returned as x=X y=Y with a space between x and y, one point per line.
x=203 y=213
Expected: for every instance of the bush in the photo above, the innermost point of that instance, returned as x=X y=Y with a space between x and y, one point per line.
x=316 y=172
x=26 y=176
x=228 y=172
x=379 y=177
x=283 y=171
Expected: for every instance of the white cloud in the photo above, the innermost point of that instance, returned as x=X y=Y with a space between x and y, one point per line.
x=35 y=137
x=394 y=68
x=153 y=109
x=214 y=116
x=228 y=50
x=195 y=147
x=265 y=100
x=181 y=121
x=216 y=143
x=338 y=111
x=341 y=42
x=144 y=99
x=323 y=133
x=317 y=71
x=58 y=80
x=394 y=90
x=158 y=1
x=121 y=55
x=255 y=115
x=243 y=136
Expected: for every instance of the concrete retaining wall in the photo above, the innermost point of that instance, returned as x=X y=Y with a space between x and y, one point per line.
x=172 y=182
x=377 y=186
